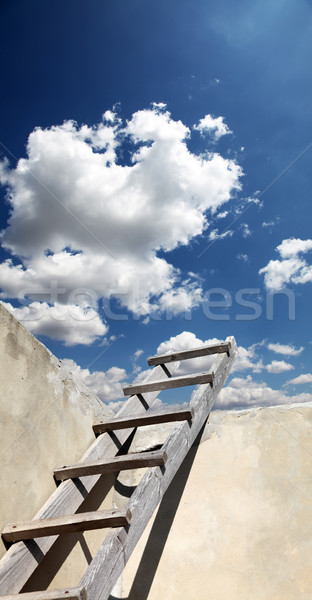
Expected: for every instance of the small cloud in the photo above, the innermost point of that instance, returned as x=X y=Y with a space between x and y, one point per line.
x=304 y=378
x=214 y=235
x=246 y=230
x=279 y=366
x=109 y=116
x=222 y=215
x=270 y=224
x=213 y=126
x=159 y=106
x=243 y=257
x=135 y=367
x=291 y=267
x=285 y=349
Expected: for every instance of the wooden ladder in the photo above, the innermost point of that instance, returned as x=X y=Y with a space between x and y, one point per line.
x=127 y=525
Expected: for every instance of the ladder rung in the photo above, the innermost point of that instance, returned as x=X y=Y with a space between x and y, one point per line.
x=155 y=458
x=166 y=384
x=66 y=594
x=150 y=418
x=193 y=353
x=15 y=532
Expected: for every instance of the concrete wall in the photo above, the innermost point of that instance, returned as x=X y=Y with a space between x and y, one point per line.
x=46 y=418
x=236 y=523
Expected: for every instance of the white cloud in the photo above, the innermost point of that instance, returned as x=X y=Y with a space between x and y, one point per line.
x=246 y=230
x=293 y=247
x=291 y=268
x=285 y=349
x=108 y=115
x=246 y=359
x=134 y=358
x=279 y=366
x=215 y=235
x=244 y=392
x=81 y=218
x=70 y=323
x=214 y=126
x=186 y=341
x=107 y=385
x=243 y=257
x=222 y=214
x=304 y=378
x=272 y=223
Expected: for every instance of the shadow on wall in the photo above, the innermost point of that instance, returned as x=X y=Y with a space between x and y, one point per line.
x=147 y=568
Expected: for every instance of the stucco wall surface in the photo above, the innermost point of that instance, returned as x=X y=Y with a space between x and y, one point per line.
x=236 y=523
x=46 y=418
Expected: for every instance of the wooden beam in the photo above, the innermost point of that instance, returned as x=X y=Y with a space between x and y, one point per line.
x=28 y=530
x=119 y=544
x=193 y=353
x=150 y=418
x=19 y=563
x=66 y=594
x=156 y=458
x=166 y=384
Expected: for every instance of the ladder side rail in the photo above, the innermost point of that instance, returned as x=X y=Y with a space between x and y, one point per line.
x=18 y=564
x=66 y=594
x=108 y=564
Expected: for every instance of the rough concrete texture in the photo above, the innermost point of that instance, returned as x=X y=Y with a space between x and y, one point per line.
x=237 y=520
x=46 y=418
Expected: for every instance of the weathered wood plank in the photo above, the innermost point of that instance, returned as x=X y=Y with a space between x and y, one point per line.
x=18 y=564
x=185 y=354
x=167 y=384
x=66 y=594
x=150 y=418
x=117 y=463
x=119 y=544
x=28 y=530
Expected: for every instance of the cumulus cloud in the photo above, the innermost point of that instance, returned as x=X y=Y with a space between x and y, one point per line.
x=301 y=379
x=285 y=349
x=279 y=366
x=246 y=359
x=70 y=323
x=291 y=267
x=84 y=217
x=245 y=392
x=214 y=126
x=240 y=392
x=107 y=385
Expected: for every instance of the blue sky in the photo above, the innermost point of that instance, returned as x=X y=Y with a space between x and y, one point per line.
x=156 y=177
